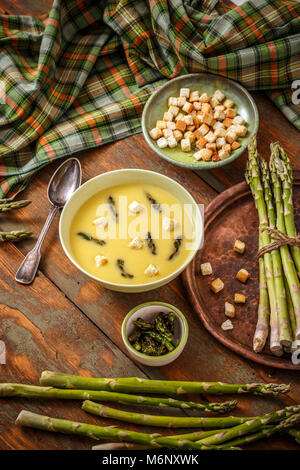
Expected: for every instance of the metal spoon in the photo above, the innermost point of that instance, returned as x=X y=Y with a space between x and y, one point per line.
x=65 y=180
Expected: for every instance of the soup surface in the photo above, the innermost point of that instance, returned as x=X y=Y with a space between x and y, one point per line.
x=132 y=234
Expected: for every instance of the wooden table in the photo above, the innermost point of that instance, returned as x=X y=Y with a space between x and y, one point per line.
x=68 y=323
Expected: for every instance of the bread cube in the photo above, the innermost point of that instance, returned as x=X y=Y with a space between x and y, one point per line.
x=184 y=92
x=239 y=298
x=167 y=133
x=101 y=222
x=174 y=110
x=214 y=102
x=220 y=141
x=241 y=131
x=162 y=143
x=219 y=95
x=197 y=122
x=208 y=118
x=238 y=120
x=203 y=129
x=211 y=146
x=100 y=260
x=230 y=113
x=188 y=119
x=171 y=125
x=215 y=158
x=181 y=101
x=227 y=122
x=151 y=270
x=201 y=143
x=204 y=98
x=197 y=105
x=179 y=117
x=187 y=107
x=220 y=107
x=169 y=224
x=206 y=269
x=172 y=101
x=206 y=107
x=243 y=275
x=227 y=325
x=181 y=126
x=161 y=124
x=172 y=142
x=190 y=135
x=217 y=125
x=230 y=136
x=205 y=154
x=220 y=132
x=210 y=136
x=235 y=145
x=239 y=246
x=219 y=115
x=190 y=128
x=178 y=135
x=223 y=154
x=197 y=155
x=227 y=148
x=137 y=243
x=185 y=145
x=136 y=207
x=194 y=96
x=217 y=285
x=229 y=310
x=228 y=103
x=155 y=133
x=168 y=116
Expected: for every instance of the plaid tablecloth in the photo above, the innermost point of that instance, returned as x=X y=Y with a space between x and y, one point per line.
x=79 y=77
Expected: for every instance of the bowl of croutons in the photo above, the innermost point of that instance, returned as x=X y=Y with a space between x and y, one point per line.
x=200 y=121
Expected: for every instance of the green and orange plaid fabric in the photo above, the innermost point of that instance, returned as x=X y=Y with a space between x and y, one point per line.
x=79 y=77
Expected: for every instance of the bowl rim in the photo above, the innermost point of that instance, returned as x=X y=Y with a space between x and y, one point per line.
x=197 y=165
x=180 y=345
x=129 y=287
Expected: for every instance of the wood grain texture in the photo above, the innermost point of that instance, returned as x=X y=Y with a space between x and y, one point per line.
x=67 y=322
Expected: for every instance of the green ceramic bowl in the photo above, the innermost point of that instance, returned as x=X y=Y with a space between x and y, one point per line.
x=148 y=312
x=204 y=82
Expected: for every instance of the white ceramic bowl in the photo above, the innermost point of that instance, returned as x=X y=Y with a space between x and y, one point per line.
x=148 y=311
x=127 y=176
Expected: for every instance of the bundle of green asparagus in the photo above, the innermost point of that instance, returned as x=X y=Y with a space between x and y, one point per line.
x=228 y=432
x=7 y=205
x=279 y=268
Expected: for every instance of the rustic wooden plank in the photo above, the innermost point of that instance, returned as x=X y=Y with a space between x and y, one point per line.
x=27 y=7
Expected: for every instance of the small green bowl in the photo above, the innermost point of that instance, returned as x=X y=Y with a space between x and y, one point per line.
x=148 y=311
x=204 y=82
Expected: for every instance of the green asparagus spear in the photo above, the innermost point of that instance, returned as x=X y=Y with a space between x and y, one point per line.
x=143 y=324
x=10 y=206
x=161 y=328
x=150 y=243
x=284 y=328
x=287 y=261
x=45 y=423
x=295 y=433
x=124 y=273
x=33 y=391
x=190 y=422
x=284 y=171
x=90 y=238
x=15 y=235
x=112 y=206
x=135 y=384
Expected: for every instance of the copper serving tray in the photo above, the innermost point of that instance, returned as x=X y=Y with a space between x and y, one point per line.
x=232 y=215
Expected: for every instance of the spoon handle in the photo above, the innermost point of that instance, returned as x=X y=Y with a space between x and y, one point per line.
x=28 y=268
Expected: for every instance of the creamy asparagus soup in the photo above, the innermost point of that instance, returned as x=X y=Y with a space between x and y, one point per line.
x=132 y=234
